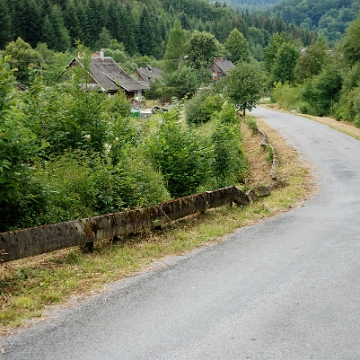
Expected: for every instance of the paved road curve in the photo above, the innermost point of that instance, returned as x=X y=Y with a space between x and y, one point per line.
x=287 y=288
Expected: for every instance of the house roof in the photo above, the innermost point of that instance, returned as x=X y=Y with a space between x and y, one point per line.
x=222 y=64
x=148 y=74
x=109 y=76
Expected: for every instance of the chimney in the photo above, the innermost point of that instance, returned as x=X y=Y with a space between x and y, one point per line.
x=102 y=55
x=215 y=59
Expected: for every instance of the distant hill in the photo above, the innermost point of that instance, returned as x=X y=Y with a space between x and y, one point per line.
x=250 y=5
x=329 y=17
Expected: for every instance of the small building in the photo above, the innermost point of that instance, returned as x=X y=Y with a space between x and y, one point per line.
x=147 y=75
x=219 y=67
x=106 y=75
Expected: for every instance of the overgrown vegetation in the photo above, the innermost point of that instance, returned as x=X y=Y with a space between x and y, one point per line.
x=68 y=153
x=325 y=83
x=29 y=286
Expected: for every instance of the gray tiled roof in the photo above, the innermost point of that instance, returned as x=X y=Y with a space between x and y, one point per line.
x=110 y=76
x=148 y=74
x=224 y=65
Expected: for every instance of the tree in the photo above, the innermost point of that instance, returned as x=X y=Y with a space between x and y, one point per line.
x=180 y=83
x=237 y=47
x=5 y=21
x=273 y=47
x=203 y=46
x=351 y=44
x=285 y=62
x=55 y=35
x=323 y=91
x=175 y=48
x=22 y=56
x=244 y=85
x=312 y=62
x=146 y=41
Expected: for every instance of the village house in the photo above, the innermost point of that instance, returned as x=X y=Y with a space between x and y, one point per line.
x=147 y=75
x=219 y=67
x=106 y=75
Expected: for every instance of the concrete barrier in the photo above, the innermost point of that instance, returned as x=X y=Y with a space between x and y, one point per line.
x=24 y=243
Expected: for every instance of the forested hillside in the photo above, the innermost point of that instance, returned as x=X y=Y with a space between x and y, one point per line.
x=250 y=5
x=329 y=17
x=142 y=26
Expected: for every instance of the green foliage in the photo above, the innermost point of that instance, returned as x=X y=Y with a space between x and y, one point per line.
x=313 y=61
x=328 y=17
x=22 y=199
x=180 y=83
x=272 y=49
x=288 y=97
x=244 y=85
x=175 y=48
x=251 y=123
x=237 y=47
x=351 y=46
x=203 y=47
x=285 y=62
x=22 y=59
x=201 y=107
x=229 y=164
x=323 y=91
x=180 y=155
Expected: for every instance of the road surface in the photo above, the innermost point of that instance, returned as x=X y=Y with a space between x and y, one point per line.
x=286 y=288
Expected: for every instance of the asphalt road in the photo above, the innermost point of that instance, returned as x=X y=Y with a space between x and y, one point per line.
x=286 y=288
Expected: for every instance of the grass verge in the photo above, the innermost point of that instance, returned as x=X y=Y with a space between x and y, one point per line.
x=30 y=286
x=343 y=126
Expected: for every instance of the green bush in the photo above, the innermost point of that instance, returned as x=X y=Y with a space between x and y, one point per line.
x=287 y=96
x=229 y=163
x=201 y=107
x=180 y=155
x=251 y=123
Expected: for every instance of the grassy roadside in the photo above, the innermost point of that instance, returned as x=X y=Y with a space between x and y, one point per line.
x=343 y=126
x=29 y=286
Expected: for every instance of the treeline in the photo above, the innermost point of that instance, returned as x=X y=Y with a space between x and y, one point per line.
x=319 y=81
x=142 y=26
x=329 y=17
x=249 y=5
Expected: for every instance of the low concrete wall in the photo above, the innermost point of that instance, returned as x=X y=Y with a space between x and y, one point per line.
x=38 y=240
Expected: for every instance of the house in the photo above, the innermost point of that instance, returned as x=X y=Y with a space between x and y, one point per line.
x=106 y=75
x=147 y=75
x=219 y=67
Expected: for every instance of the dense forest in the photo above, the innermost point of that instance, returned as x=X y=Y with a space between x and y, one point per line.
x=141 y=26
x=328 y=17
x=249 y=5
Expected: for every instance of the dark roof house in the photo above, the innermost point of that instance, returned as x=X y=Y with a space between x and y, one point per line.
x=148 y=74
x=219 y=68
x=106 y=75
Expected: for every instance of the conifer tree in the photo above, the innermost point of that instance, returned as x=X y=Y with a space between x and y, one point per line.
x=146 y=40
x=5 y=21
x=175 y=48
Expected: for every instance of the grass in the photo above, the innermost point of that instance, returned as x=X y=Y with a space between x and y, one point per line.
x=346 y=127
x=30 y=286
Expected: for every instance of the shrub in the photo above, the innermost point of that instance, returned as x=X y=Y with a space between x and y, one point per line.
x=251 y=123
x=201 y=107
x=229 y=164
x=180 y=155
x=288 y=97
